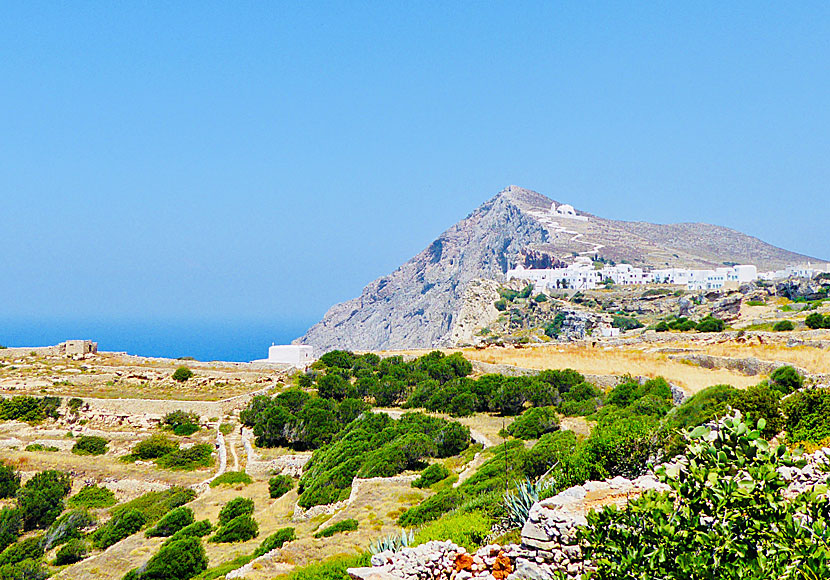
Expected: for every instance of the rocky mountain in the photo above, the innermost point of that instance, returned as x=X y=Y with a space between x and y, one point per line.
x=420 y=303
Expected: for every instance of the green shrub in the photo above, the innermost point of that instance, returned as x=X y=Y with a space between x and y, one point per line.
x=28 y=569
x=578 y=408
x=41 y=498
x=195 y=530
x=761 y=402
x=331 y=569
x=534 y=423
x=341 y=526
x=540 y=298
x=232 y=478
x=239 y=529
x=708 y=404
x=240 y=506
x=808 y=415
x=188 y=459
x=179 y=560
x=90 y=445
x=275 y=540
x=155 y=504
x=155 y=446
x=755 y=303
x=711 y=324
x=9 y=480
x=119 y=527
x=279 y=485
x=28 y=549
x=67 y=527
x=816 y=320
x=73 y=551
x=662 y=326
x=783 y=326
x=500 y=304
x=182 y=374
x=172 y=522
x=626 y=323
x=786 y=379
x=431 y=508
x=29 y=409
x=469 y=530
x=181 y=423
x=431 y=475
x=751 y=531
x=41 y=447
x=11 y=522
x=92 y=496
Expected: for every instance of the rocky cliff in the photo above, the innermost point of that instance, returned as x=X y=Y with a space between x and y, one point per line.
x=420 y=303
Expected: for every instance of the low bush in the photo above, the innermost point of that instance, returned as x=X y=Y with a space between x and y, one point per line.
x=195 y=530
x=783 y=326
x=9 y=480
x=816 y=320
x=41 y=499
x=279 y=485
x=534 y=423
x=431 y=475
x=240 y=506
x=41 y=447
x=786 y=379
x=172 y=522
x=232 y=478
x=469 y=530
x=67 y=527
x=92 y=496
x=119 y=527
x=275 y=540
x=29 y=409
x=179 y=560
x=808 y=415
x=431 y=508
x=711 y=324
x=71 y=552
x=626 y=323
x=90 y=445
x=24 y=570
x=11 y=523
x=331 y=569
x=155 y=504
x=239 y=529
x=342 y=526
x=188 y=459
x=28 y=549
x=182 y=423
x=155 y=446
x=182 y=374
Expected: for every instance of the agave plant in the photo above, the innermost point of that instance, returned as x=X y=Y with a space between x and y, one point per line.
x=393 y=542
x=518 y=504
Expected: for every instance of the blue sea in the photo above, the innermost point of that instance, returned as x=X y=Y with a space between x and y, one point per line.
x=230 y=340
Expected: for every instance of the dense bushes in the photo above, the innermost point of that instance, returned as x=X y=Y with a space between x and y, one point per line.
x=172 y=522
x=11 y=522
x=67 y=527
x=786 y=379
x=625 y=323
x=194 y=457
x=123 y=525
x=28 y=549
x=808 y=415
x=154 y=447
x=534 y=423
x=182 y=374
x=240 y=529
x=240 y=506
x=680 y=323
x=9 y=480
x=232 y=478
x=195 y=530
x=178 y=560
x=816 y=320
x=181 y=423
x=29 y=409
x=155 y=504
x=375 y=445
x=431 y=508
x=339 y=527
x=41 y=498
x=724 y=517
x=783 y=326
x=90 y=445
x=279 y=485
x=275 y=540
x=92 y=496
x=73 y=551
x=431 y=475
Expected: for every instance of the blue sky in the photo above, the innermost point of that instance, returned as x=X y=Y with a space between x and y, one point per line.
x=235 y=161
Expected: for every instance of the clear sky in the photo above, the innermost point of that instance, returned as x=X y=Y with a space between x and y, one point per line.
x=241 y=161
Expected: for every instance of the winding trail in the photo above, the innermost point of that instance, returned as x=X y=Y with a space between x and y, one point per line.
x=545 y=219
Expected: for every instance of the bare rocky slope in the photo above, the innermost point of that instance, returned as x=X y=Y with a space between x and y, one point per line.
x=418 y=304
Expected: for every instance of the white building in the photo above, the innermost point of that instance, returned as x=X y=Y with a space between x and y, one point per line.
x=801 y=271
x=298 y=355
x=566 y=211
x=581 y=275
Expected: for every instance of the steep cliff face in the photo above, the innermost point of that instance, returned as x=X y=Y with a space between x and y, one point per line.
x=419 y=305
x=415 y=305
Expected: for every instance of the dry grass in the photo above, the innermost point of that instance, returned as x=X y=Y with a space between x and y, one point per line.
x=611 y=361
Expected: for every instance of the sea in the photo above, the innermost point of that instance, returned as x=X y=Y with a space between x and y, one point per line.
x=203 y=340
